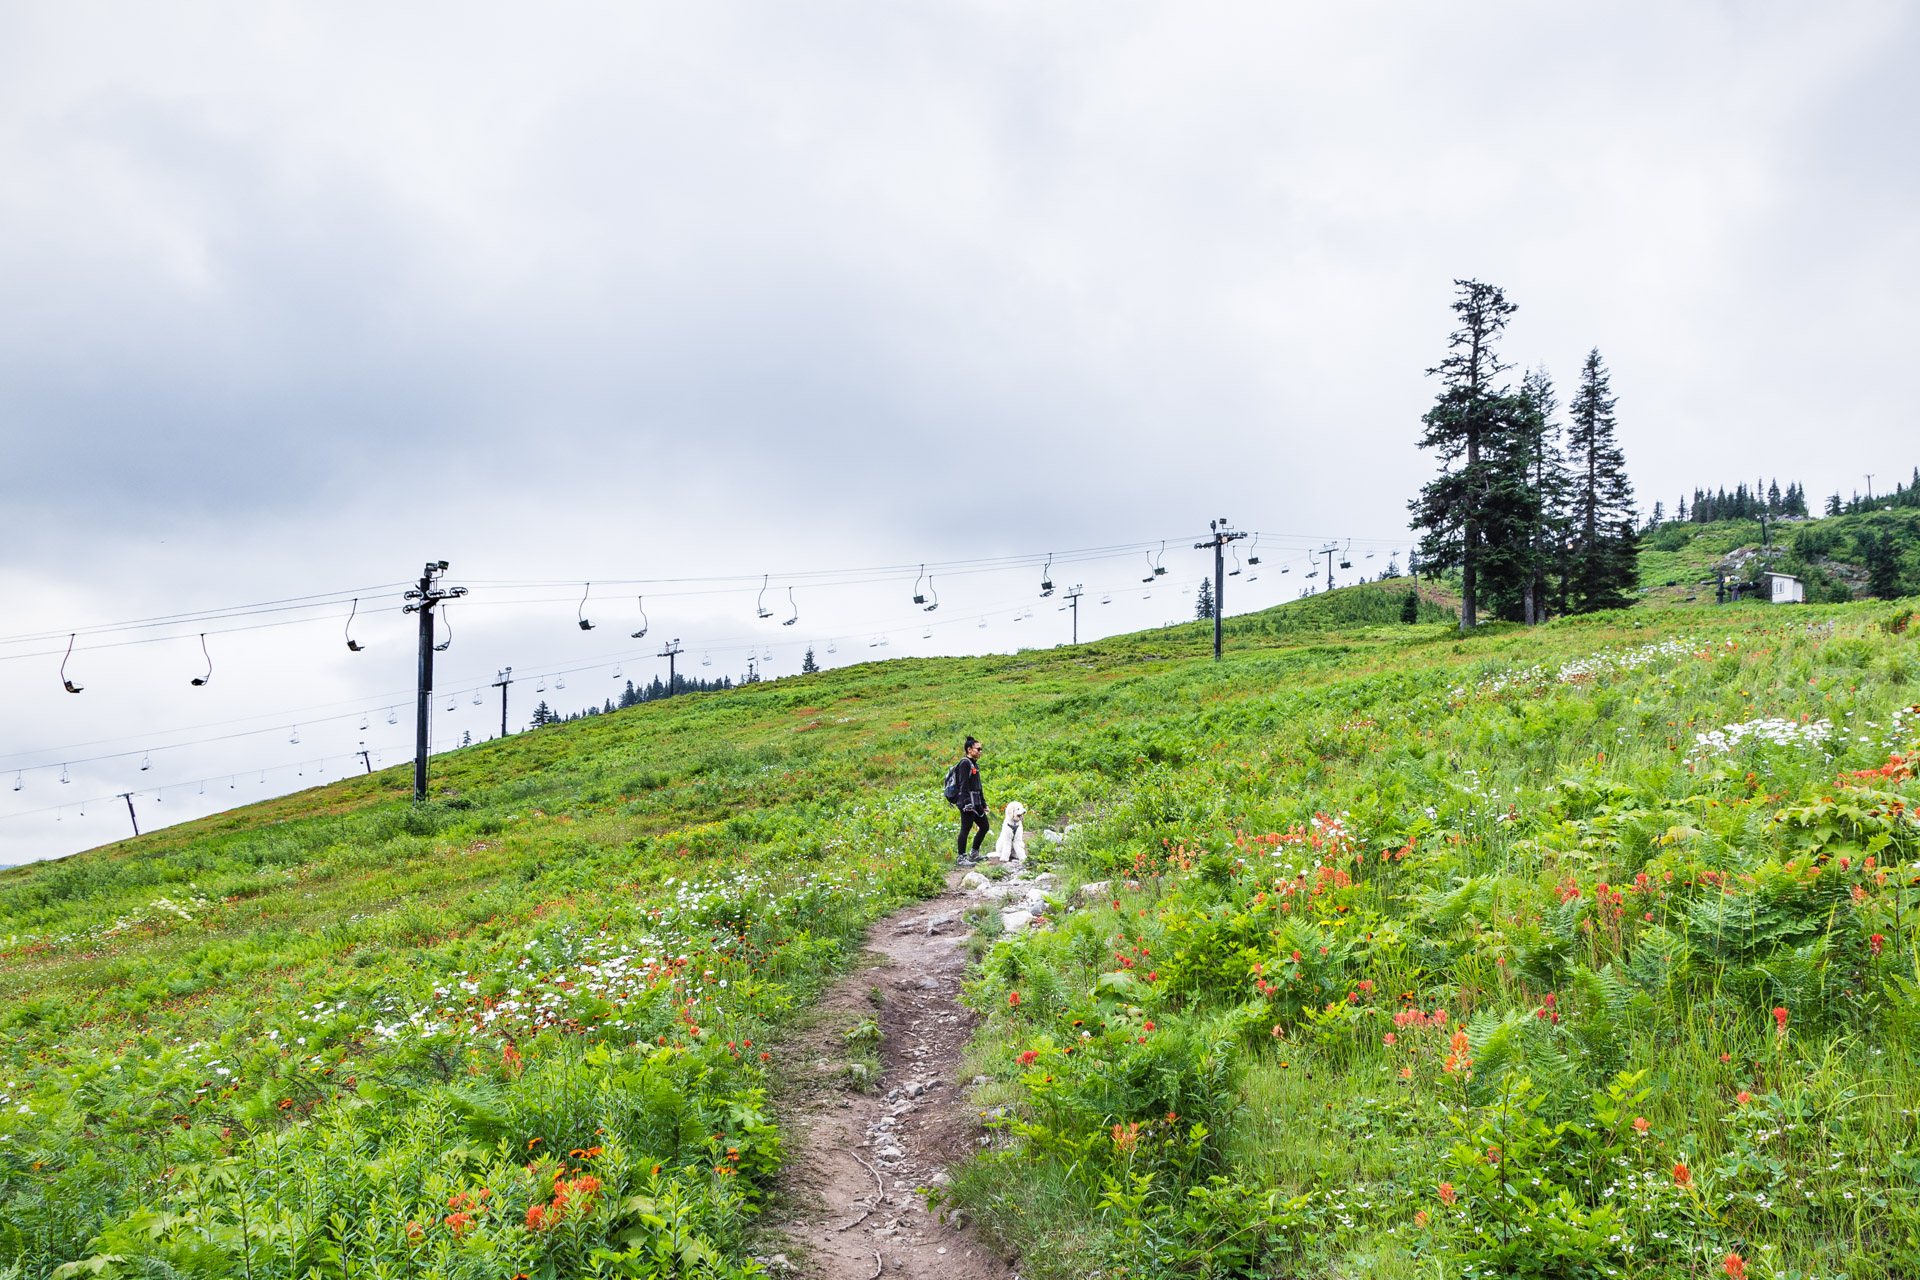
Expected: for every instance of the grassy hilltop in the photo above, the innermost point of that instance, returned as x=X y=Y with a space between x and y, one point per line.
x=1582 y=950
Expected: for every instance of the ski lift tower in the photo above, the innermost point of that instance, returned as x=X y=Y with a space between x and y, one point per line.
x=1222 y=535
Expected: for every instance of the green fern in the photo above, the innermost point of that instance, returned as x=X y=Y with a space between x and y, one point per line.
x=1659 y=961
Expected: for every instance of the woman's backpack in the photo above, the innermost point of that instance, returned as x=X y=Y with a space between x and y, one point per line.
x=956 y=783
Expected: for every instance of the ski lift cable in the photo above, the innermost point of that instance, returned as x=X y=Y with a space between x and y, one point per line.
x=841 y=578
x=212 y=777
x=851 y=576
x=195 y=616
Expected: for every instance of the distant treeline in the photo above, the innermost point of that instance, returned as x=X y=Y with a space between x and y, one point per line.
x=1709 y=505
x=632 y=696
x=1743 y=503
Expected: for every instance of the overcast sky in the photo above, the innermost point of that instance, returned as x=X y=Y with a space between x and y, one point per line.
x=298 y=296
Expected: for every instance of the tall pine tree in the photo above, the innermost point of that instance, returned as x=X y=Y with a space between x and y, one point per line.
x=1203 y=603
x=1462 y=428
x=1538 y=437
x=1602 y=571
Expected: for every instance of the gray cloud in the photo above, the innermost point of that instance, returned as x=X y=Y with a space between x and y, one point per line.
x=297 y=296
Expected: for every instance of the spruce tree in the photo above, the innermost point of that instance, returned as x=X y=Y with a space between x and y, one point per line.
x=1880 y=554
x=1203 y=604
x=1600 y=569
x=1461 y=428
x=1552 y=491
x=807 y=664
x=1410 y=607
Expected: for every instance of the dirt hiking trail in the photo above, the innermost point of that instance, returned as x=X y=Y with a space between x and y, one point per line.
x=847 y=1208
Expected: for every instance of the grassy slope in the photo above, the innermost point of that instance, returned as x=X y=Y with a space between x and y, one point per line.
x=800 y=809
x=1825 y=553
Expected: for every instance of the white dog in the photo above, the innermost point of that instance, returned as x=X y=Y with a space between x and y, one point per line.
x=1012 y=845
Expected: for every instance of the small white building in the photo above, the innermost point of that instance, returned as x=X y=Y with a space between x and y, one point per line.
x=1784 y=588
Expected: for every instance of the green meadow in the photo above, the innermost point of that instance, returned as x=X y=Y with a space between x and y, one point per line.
x=1580 y=950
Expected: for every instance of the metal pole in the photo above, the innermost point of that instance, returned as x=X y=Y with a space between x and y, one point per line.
x=506 y=678
x=1219 y=589
x=424 y=698
x=367 y=761
x=424 y=598
x=128 y=797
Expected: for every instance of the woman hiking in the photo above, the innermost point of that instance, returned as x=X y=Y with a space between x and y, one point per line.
x=965 y=790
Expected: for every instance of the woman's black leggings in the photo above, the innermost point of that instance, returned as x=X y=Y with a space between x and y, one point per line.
x=978 y=824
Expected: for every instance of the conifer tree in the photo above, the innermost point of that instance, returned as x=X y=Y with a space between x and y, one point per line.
x=1410 y=607
x=1203 y=604
x=1462 y=428
x=807 y=664
x=1552 y=491
x=1600 y=573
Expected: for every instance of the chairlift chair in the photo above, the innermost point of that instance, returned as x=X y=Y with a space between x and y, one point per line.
x=393 y=716
x=617 y=672
x=643 y=617
x=796 y=609
x=353 y=646
x=18 y=782
x=452 y=702
x=760 y=605
x=918 y=596
x=585 y=625
x=64 y=779
x=1251 y=558
x=476 y=695
x=560 y=682
x=146 y=761
x=1046 y=577
x=936 y=595
x=364 y=718
x=200 y=680
x=1106 y=597
x=446 y=616
x=1235 y=571
x=295 y=739
x=70 y=686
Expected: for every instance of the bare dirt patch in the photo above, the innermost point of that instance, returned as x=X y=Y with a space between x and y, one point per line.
x=847 y=1208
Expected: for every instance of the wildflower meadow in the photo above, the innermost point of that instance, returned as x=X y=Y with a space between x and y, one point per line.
x=1580 y=950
